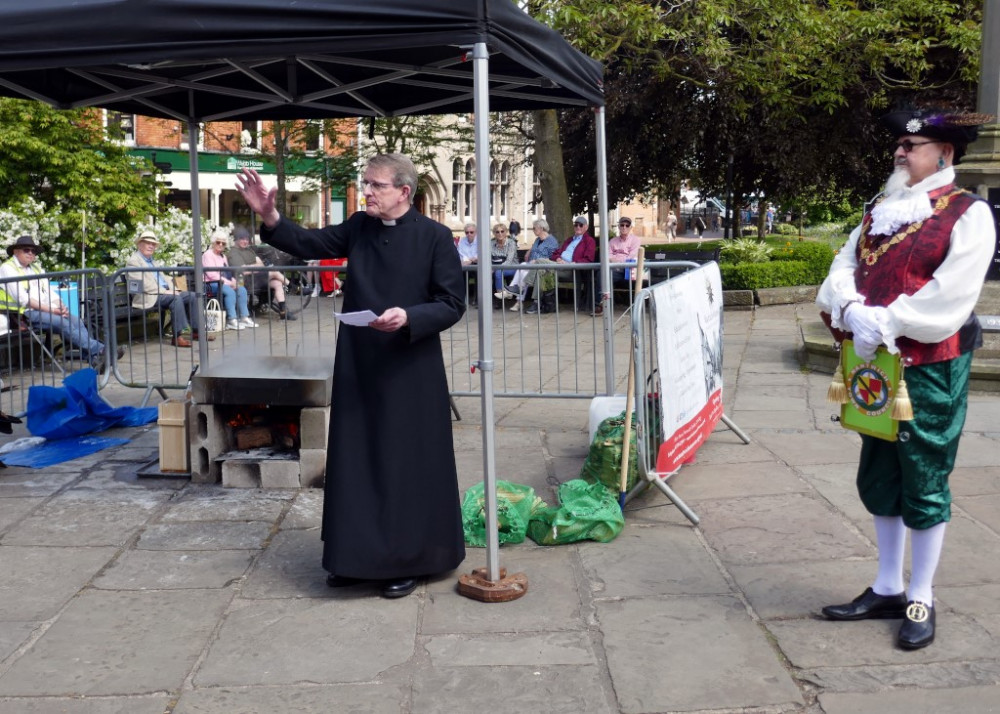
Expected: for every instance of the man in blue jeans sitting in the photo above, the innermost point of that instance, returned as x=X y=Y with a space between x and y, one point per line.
x=33 y=297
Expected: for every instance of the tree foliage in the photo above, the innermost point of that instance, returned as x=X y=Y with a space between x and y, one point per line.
x=61 y=165
x=286 y=143
x=419 y=136
x=792 y=90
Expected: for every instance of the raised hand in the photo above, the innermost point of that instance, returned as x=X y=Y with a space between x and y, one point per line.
x=258 y=196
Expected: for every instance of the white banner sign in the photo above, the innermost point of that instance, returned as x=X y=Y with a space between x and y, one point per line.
x=688 y=327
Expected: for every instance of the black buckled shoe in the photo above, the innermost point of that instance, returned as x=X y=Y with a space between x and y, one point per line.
x=869 y=606
x=398 y=588
x=917 y=629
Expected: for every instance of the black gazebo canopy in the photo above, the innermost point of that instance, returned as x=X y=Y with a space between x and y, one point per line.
x=285 y=59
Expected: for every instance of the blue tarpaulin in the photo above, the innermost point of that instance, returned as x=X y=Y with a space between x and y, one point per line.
x=56 y=452
x=76 y=409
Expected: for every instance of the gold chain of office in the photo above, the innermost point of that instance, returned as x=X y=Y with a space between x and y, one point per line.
x=870 y=257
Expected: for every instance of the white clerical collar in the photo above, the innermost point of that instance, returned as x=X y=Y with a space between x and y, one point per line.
x=388 y=222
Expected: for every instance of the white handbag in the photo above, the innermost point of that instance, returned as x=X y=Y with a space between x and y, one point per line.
x=215 y=316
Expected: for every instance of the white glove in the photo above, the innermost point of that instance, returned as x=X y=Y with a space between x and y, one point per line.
x=863 y=321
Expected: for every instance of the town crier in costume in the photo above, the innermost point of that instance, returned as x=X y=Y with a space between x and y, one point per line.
x=909 y=278
x=391 y=509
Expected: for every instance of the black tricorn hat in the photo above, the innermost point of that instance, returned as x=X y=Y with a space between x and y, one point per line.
x=24 y=242
x=956 y=128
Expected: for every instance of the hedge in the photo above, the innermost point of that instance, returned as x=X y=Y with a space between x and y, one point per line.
x=754 y=276
x=792 y=263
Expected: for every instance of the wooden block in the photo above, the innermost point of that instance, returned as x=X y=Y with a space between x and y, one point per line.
x=174 y=446
x=253 y=437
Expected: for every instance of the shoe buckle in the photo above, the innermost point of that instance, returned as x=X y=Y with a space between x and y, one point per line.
x=917 y=612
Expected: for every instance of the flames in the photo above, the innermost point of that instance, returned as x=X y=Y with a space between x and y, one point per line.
x=255 y=425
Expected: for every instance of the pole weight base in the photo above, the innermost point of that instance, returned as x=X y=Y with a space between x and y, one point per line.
x=477 y=586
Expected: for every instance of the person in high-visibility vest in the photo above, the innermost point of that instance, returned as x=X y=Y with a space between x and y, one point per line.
x=40 y=305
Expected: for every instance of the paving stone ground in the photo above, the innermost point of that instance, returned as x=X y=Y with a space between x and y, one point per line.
x=121 y=595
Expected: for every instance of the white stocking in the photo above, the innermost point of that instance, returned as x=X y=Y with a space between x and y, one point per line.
x=890 y=533
x=926 y=545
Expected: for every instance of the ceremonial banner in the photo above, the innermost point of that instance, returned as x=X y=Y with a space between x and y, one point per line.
x=871 y=390
x=688 y=326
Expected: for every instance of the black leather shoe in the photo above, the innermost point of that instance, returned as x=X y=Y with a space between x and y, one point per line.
x=869 y=606
x=398 y=588
x=341 y=581
x=533 y=310
x=917 y=629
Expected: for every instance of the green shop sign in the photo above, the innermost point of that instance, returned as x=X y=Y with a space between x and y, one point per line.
x=224 y=163
x=234 y=163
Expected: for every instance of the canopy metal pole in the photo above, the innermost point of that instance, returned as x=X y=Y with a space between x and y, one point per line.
x=489 y=584
x=199 y=284
x=480 y=69
x=602 y=209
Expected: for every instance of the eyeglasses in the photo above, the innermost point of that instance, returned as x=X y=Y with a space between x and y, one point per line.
x=470 y=233
x=220 y=242
x=907 y=146
x=624 y=225
x=376 y=185
x=498 y=231
x=579 y=224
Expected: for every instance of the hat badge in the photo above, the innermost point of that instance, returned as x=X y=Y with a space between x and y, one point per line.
x=914 y=125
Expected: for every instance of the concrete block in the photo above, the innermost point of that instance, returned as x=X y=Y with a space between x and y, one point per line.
x=279 y=473
x=787 y=295
x=207 y=439
x=738 y=299
x=312 y=467
x=241 y=474
x=314 y=427
x=203 y=468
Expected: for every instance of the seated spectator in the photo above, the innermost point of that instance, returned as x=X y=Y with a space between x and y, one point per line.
x=503 y=251
x=34 y=299
x=243 y=254
x=218 y=277
x=541 y=250
x=468 y=252
x=159 y=291
x=623 y=248
x=578 y=248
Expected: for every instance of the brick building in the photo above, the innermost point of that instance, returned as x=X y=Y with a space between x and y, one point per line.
x=224 y=148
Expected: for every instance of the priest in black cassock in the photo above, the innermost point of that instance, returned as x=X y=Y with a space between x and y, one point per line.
x=391 y=509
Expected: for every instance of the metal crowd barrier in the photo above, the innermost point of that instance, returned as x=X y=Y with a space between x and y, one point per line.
x=557 y=354
x=648 y=388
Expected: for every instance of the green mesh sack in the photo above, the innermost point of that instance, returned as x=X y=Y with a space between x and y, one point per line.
x=546 y=280
x=588 y=511
x=604 y=461
x=515 y=504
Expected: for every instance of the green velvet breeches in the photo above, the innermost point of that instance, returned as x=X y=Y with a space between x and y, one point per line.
x=909 y=477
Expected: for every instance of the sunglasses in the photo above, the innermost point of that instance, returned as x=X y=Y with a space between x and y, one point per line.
x=498 y=231
x=470 y=233
x=33 y=251
x=624 y=225
x=907 y=146
x=580 y=224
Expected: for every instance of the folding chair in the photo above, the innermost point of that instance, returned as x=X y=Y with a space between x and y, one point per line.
x=18 y=322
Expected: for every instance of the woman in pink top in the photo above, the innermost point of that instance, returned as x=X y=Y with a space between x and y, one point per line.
x=234 y=296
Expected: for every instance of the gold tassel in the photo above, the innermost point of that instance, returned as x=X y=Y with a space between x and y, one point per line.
x=837 y=393
x=902 y=407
